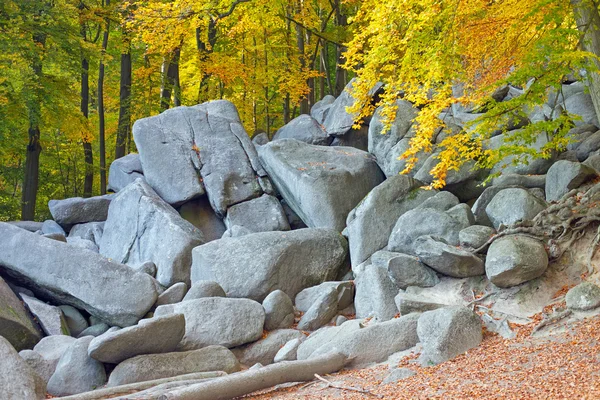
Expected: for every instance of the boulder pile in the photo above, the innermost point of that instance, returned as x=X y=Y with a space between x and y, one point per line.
x=216 y=252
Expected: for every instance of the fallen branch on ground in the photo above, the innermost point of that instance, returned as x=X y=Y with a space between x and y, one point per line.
x=242 y=383
x=551 y=320
x=112 y=392
x=342 y=387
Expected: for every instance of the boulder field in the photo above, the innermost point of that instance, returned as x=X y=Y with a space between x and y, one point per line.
x=218 y=253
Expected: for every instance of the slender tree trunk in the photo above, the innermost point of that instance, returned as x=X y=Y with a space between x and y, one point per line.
x=124 y=104
x=170 y=81
x=101 y=122
x=88 y=183
x=588 y=22
x=302 y=57
x=340 y=73
x=34 y=148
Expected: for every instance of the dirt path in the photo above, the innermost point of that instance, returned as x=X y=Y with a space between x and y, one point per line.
x=562 y=366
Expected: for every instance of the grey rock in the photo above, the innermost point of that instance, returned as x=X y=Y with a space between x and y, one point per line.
x=265 y=350
x=202 y=289
x=525 y=164
x=157 y=366
x=262 y=214
x=307 y=297
x=371 y=222
x=375 y=342
x=289 y=351
x=17 y=380
x=50 y=226
x=38 y=364
x=475 y=236
x=142 y=227
x=375 y=294
x=588 y=146
x=405 y=270
x=593 y=161
x=200 y=214
x=148 y=268
x=324 y=336
x=512 y=260
x=65 y=274
x=564 y=176
x=279 y=311
x=394 y=164
x=91 y=231
x=75 y=321
x=217 y=320
x=16 y=324
x=46 y=354
x=55 y=236
x=77 y=372
x=31 y=226
x=51 y=319
x=95 y=330
x=320 y=109
x=83 y=244
x=123 y=171
x=172 y=295
x=580 y=104
x=340 y=319
x=408 y=303
x=260 y=139
x=236 y=231
x=321 y=184
x=525 y=181
x=448 y=259
x=583 y=297
x=478 y=209
x=578 y=134
x=293 y=218
x=441 y=201
x=149 y=336
x=500 y=326
x=305 y=129
x=321 y=312
x=420 y=222
x=186 y=151
x=463 y=214
x=447 y=332
x=78 y=210
x=254 y=265
x=465 y=173
x=398 y=374
x=381 y=145
x=512 y=205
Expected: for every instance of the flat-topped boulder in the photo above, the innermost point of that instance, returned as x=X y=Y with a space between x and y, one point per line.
x=70 y=275
x=321 y=184
x=142 y=227
x=188 y=151
x=254 y=265
x=123 y=171
x=306 y=129
x=78 y=210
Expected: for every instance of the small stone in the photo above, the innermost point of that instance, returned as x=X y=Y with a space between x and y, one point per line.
x=51 y=318
x=264 y=350
x=583 y=297
x=75 y=321
x=172 y=295
x=279 y=311
x=289 y=351
x=321 y=312
x=201 y=289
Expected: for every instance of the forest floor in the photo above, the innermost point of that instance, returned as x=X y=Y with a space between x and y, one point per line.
x=563 y=365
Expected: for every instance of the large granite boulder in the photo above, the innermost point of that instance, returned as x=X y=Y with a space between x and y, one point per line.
x=187 y=151
x=321 y=184
x=157 y=366
x=448 y=259
x=375 y=294
x=305 y=129
x=78 y=210
x=141 y=227
x=149 y=336
x=76 y=371
x=447 y=332
x=70 y=275
x=17 y=380
x=262 y=214
x=405 y=270
x=566 y=175
x=217 y=320
x=512 y=260
x=44 y=357
x=123 y=171
x=512 y=205
x=320 y=109
x=51 y=318
x=370 y=224
x=254 y=265
x=420 y=222
x=16 y=324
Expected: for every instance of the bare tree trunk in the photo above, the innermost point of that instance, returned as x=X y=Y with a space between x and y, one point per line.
x=588 y=22
x=170 y=81
x=302 y=57
x=340 y=73
x=101 y=122
x=34 y=148
x=124 y=104
x=88 y=183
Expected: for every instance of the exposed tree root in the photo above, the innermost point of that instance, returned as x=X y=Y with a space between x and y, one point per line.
x=563 y=222
x=551 y=320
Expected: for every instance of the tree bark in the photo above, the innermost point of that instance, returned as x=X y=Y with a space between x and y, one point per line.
x=88 y=183
x=249 y=381
x=34 y=148
x=101 y=121
x=588 y=22
x=124 y=104
x=170 y=81
x=341 y=20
